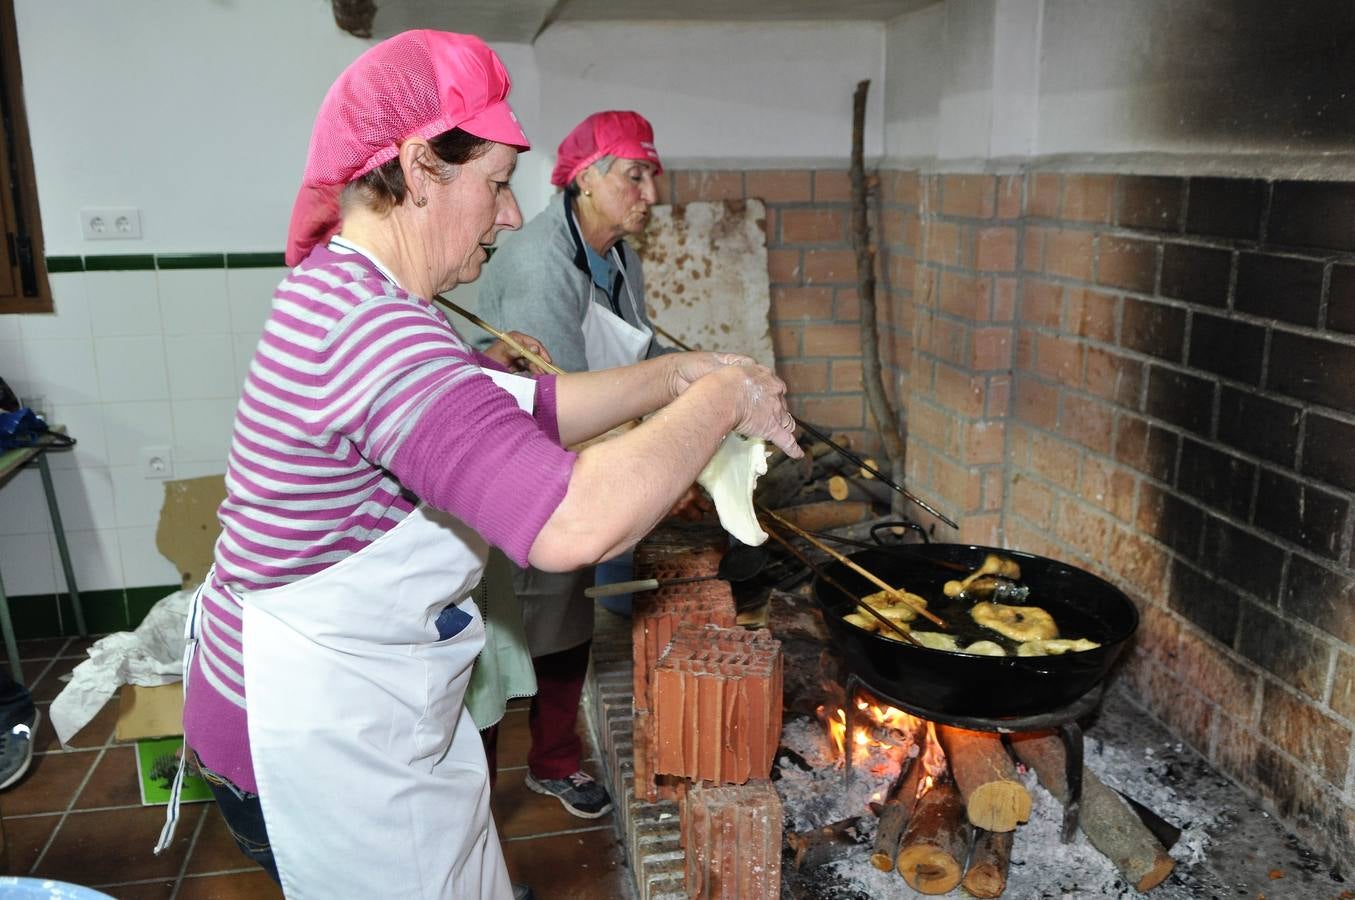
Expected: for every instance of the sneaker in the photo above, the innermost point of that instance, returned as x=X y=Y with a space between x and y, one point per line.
x=16 y=750
x=579 y=793
x=523 y=892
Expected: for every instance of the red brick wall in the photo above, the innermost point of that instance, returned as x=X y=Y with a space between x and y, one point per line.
x=1154 y=378
x=815 y=316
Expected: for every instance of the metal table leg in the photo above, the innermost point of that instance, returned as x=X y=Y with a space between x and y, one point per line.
x=7 y=627
x=62 y=550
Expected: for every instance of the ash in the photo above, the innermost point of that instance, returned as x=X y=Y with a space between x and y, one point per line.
x=1229 y=847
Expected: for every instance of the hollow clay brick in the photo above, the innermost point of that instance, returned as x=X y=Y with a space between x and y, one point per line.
x=716 y=705
x=655 y=615
x=732 y=835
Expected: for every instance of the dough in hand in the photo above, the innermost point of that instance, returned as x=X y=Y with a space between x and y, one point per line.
x=729 y=478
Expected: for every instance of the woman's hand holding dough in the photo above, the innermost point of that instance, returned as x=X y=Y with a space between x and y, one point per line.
x=760 y=405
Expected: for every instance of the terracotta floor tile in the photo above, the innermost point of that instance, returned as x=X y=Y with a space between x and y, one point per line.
x=587 y=865
x=113 y=781
x=519 y=812
x=77 y=646
x=114 y=846
x=146 y=890
x=46 y=681
x=215 y=850
x=24 y=839
x=45 y=738
x=100 y=728
x=515 y=739
x=40 y=648
x=49 y=785
x=252 y=885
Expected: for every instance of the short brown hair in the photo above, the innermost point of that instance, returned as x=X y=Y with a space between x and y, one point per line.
x=384 y=187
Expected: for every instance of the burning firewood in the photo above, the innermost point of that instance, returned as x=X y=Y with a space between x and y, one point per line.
x=820 y=846
x=932 y=851
x=895 y=812
x=986 y=776
x=1107 y=820
x=987 y=872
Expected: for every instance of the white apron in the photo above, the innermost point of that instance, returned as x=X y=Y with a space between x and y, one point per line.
x=557 y=614
x=371 y=773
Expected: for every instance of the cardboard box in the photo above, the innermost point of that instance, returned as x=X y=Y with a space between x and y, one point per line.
x=150 y=712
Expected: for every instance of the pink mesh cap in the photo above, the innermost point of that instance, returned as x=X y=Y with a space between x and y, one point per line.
x=416 y=84
x=615 y=132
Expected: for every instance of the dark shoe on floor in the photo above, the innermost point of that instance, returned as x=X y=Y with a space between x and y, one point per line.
x=523 y=892
x=579 y=793
x=16 y=750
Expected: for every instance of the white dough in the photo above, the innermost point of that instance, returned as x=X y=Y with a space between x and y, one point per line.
x=729 y=478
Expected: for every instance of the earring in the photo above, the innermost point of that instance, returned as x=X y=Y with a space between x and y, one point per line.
x=421 y=202
x=588 y=193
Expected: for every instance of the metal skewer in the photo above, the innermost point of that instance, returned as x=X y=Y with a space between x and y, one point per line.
x=874 y=471
x=828 y=579
x=869 y=576
x=506 y=338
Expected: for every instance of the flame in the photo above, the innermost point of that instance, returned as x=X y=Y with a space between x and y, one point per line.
x=933 y=758
x=869 y=721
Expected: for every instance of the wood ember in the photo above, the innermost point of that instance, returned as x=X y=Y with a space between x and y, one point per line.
x=995 y=799
x=830 y=843
x=1107 y=820
x=986 y=875
x=934 y=845
x=717 y=704
x=895 y=813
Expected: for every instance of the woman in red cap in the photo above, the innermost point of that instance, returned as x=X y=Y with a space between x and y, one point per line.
x=374 y=460
x=571 y=280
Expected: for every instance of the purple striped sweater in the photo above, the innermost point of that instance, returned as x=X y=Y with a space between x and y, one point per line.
x=360 y=397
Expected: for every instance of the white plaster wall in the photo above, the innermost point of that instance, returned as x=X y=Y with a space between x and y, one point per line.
x=749 y=94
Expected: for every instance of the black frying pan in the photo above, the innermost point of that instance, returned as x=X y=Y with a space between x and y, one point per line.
x=958 y=684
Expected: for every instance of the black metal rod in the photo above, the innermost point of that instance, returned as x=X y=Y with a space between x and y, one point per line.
x=876 y=472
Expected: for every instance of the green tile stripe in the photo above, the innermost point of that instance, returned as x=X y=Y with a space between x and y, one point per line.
x=122 y=262
x=58 y=264
x=254 y=260
x=136 y=262
x=190 y=261
x=106 y=611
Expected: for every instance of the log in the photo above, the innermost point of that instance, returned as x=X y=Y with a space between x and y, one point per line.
x=894 y=815
x=987 y=872
x=782 y=482
x=826 y=515
x=856 y=489
x=986 y=776
x=820 y=846
x=932 y=851
x=838 y=488
x=1105 y=818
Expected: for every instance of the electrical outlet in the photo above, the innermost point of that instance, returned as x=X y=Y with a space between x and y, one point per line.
x=157 y=462
x=110 y=223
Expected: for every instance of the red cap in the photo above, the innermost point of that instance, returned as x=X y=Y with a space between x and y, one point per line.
x=616 y=132
x=416 y=84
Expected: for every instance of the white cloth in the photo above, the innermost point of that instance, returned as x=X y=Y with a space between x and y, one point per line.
x=608 y=340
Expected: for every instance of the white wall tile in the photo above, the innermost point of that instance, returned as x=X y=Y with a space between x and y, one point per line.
x=9 y=327
x=13 y=364
x=28 y=564
x=131 y=368
x=251 y=297
x=244 y=353
x=85 y=423
x=194 y=301
x=70 y=318
x=96 y=559
x=202 y=430
x=142 y=564
x=23 y=505
x=131 y=426
x=85 y=499
x=196 y=469
x=62 y=370
x=123 y=304
x=201 y=366
x=138 y=499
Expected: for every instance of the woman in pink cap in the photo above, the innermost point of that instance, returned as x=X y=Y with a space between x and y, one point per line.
x=571 y=280
x=375 y=458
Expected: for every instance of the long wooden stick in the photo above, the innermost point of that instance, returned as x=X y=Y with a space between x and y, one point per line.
x=506 y=338
x=671 y=338
x=869 y=576
x=814 y=567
